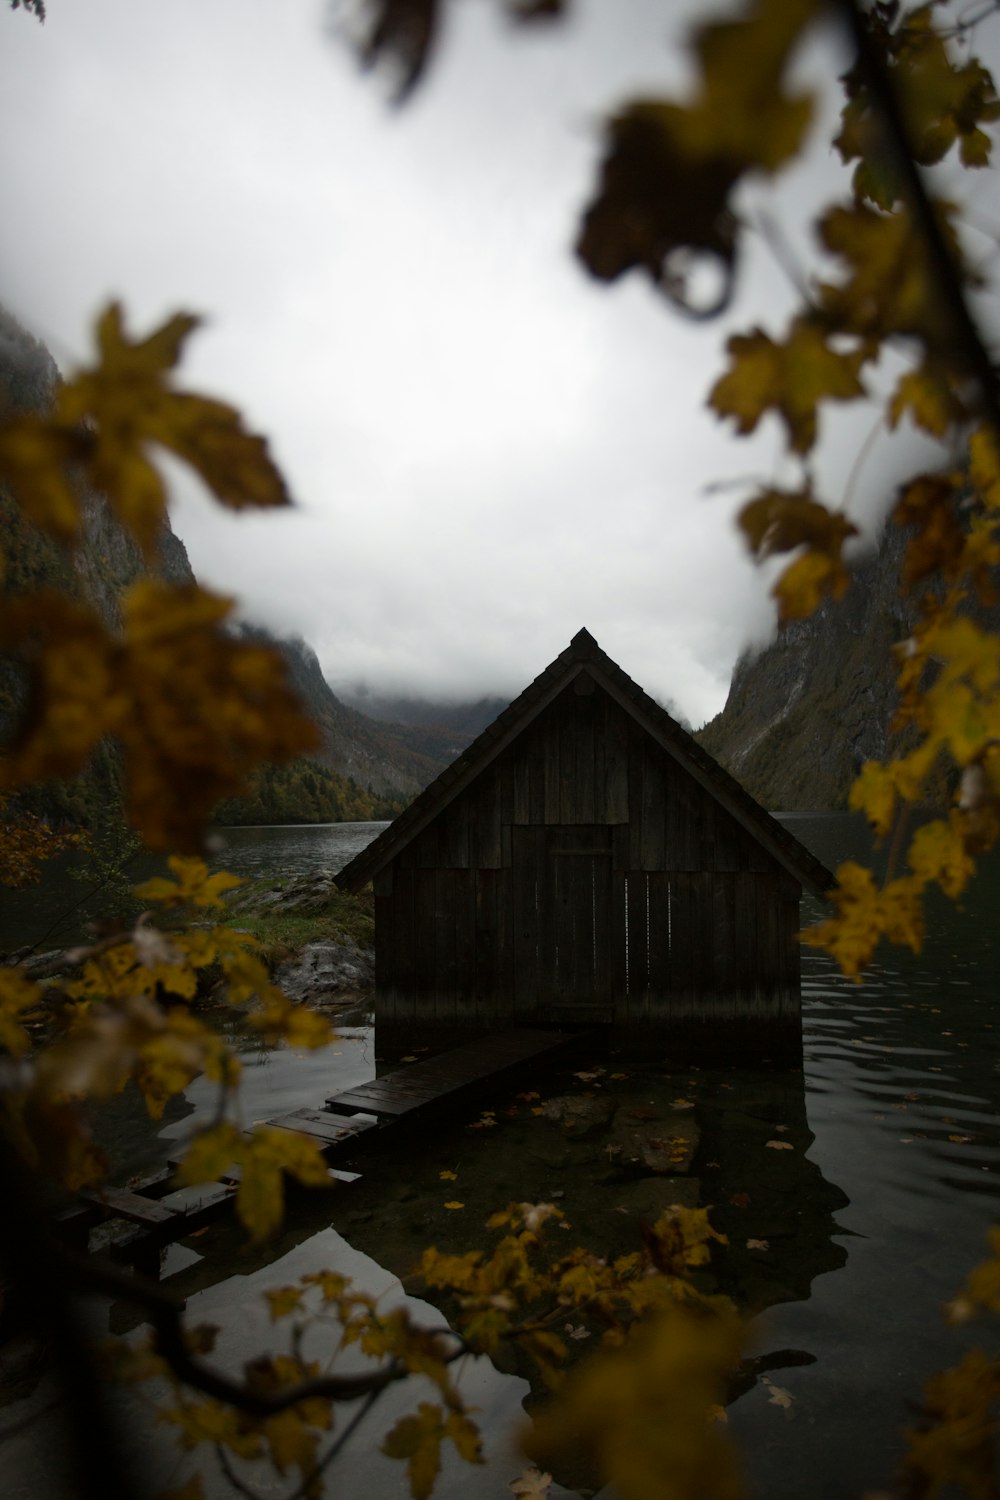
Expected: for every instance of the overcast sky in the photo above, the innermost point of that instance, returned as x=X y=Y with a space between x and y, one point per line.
x=487 y=449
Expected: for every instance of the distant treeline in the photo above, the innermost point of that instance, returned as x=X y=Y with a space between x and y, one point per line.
x=304 y=791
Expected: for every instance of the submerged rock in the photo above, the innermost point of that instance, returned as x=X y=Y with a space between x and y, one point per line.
x=580 y=1115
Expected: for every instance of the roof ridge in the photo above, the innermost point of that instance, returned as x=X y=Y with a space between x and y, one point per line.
x=583 y=648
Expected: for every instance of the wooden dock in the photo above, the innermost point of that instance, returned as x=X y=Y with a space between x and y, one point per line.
x=152 y=1214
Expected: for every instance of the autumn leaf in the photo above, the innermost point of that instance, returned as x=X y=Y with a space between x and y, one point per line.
x=984 y=465
x=283 y=1300
x=789 y=378
x=531 y=1485
x=447 y=1176
x=36 y=464
x=758 y=1245
x=865 y=914
x=417 y=1439
x=264 y=1156
x=937 y=852
x=776 y=1394
x=454 y=1205
x=642 y=1414
x=887 y=289
x=806 y=582
x=19 y=999
x=779 y=1145
x=778 y=521
x=126 y=404
x=194 y=886
x=929 y=398
x=194 y=708
x=943 y=101
x=210 y=1152
x=670 y=169
x=930 y=505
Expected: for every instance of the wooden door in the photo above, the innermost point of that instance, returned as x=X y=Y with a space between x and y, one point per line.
x=563 y=921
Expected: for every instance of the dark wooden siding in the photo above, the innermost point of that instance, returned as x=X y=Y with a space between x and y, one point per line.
x=585 y=873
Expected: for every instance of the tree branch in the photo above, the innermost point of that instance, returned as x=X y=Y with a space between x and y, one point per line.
x=165 y=1313
x=970 y=352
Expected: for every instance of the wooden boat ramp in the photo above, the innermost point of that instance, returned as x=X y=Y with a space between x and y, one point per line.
x=136 y=1224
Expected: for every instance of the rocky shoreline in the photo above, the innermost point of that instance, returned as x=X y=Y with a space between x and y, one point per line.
x=329 y=973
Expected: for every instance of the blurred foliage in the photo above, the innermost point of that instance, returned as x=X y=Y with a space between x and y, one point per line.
x=196 y=713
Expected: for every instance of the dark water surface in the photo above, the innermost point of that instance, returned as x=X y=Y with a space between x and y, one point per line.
x=870 y=1220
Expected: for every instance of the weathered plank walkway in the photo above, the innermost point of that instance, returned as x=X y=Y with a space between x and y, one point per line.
x=153 y=1215
x=424 y=1088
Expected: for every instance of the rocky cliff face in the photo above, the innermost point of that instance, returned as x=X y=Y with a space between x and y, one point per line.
x=380 y=755
x=805 y=712
x=387 y=757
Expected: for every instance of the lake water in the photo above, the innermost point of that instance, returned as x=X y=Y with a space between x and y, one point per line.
x=871 y=1219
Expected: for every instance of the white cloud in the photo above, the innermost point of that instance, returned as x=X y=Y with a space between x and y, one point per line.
x=489 y=451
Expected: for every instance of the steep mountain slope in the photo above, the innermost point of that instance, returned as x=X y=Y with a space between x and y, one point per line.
x=391 y=759
x=438 y=730
x=384 y=756
x=806 y=711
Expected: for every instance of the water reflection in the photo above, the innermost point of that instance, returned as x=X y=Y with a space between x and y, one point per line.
x=871 y=1220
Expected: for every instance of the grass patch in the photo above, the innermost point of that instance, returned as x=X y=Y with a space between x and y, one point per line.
x=283 y=927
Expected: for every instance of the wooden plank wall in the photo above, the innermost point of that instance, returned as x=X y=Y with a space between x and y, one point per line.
x=469 y=914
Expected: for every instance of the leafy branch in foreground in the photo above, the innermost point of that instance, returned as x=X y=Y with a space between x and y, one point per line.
x=196 y=711
x=647 y=1307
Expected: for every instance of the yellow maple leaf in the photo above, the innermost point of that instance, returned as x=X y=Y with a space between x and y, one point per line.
x=780 y=520
x=283 y=1300
x=194 y=886
x=929 y=398
x=19 y=998
x=642 y=1414
x=36 y=456
x=789 y=378
x=264 y=1156
x=984 y=465
x=874 y=793
x=292 y=1441
x=454 y=1204
x=210 y=1153
x=806 y=581
x=887 y=288
x=417 y=1439
x=211 y=1421
x=126 y=403
x=937 y=852
x=930 y=504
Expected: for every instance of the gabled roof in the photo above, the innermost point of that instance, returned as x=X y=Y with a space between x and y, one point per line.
x=584 y=654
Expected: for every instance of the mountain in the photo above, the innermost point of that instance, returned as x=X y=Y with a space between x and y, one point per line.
x=363 y=768
x=97 y=571
x=390 y=757
x=436 y=729
x=805 y=712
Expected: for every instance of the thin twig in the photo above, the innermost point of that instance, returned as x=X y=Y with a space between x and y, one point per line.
x=309 y=1479
x=233 y=1478
x=165 y=1312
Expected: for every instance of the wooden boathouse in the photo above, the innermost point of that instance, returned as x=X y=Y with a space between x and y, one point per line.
x=586 y=861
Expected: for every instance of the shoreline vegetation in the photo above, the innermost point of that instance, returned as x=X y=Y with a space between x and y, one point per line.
x=285 y=915
x=306 y=791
